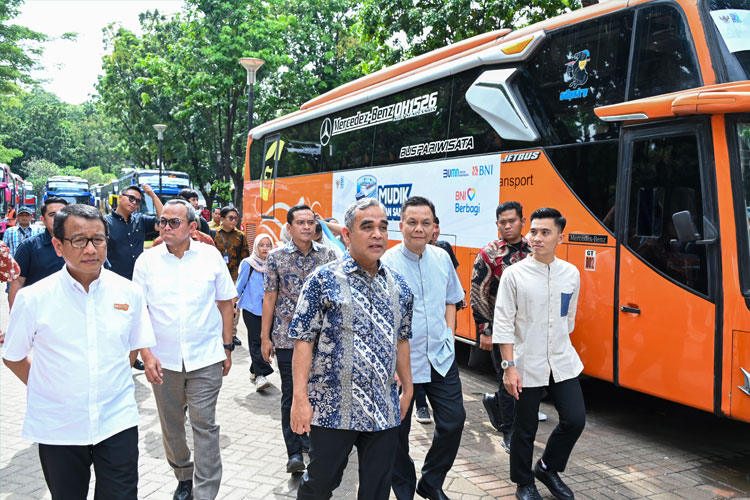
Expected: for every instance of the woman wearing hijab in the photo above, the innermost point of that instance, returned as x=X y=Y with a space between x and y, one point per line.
x=250 y=292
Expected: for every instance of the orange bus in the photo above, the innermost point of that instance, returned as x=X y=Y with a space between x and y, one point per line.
x=631 y=117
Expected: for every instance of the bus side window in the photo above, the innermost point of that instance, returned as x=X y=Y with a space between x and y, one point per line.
x=256 y=159
x=664 y=59
x=301 y=154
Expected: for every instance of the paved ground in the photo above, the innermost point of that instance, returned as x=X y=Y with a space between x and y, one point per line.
x=633 y=447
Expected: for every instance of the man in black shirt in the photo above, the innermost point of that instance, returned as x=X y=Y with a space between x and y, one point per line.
x=191 y=196
x=36 y=256
x=129 y=229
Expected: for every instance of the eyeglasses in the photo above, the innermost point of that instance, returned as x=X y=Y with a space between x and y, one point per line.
x=173 y=223
x=231 y=217
x=82 y=242
x=134 y=199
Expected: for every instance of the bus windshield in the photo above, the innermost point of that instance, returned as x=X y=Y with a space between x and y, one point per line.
x=72 y=200
x=171 y=180
x=68 y=186
x=732 y=20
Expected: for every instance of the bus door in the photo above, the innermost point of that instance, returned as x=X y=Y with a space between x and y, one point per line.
x=271 y=154
x=668 y=288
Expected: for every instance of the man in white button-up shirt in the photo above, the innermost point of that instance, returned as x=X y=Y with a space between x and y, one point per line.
x=534 y=316
x=184 y=281
x=84 y=325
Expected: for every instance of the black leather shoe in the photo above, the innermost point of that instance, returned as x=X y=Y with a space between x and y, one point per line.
x=553 y=482
x=430 y=493
x=528 y=492
x=138 y=365
x=506 y=443
x=184 y=490
x=236 y=341
x=488 y=400
x=295 y=464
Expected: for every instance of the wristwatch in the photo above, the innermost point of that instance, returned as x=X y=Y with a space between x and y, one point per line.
x=505 y=364
x=229 y=347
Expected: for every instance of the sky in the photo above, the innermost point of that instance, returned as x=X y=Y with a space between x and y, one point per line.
x=72 y=67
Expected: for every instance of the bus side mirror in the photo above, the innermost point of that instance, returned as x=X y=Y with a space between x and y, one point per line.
x=687 y=232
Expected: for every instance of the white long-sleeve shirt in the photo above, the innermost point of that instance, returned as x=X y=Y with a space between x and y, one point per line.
x=535 y=311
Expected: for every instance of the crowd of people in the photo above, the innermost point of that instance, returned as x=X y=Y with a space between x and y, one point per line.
x=361 y=333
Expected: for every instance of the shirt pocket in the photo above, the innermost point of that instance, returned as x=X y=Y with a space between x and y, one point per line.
x=565 y=298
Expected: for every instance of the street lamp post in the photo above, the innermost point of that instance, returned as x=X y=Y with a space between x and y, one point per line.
x=251 y=64
x=160 y=135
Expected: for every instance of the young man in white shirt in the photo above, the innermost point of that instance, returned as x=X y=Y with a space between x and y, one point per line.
x=534 y=317
x=84 y=325
x=189 y=295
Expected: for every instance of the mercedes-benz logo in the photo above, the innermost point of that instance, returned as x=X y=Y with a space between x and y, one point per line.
x=325 y=132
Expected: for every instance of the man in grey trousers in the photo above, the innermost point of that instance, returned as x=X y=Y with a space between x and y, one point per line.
x=189 y=296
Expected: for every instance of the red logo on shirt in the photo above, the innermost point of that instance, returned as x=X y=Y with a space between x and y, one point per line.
x=122 y=307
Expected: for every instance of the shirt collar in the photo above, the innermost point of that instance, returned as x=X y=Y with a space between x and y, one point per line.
x=351 y=265
x=290 y=247
x=46 y=237
x=504 y=243
x=409 y=254
x=75 y=284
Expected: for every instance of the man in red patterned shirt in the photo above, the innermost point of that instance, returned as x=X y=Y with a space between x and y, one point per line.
x=485 y=277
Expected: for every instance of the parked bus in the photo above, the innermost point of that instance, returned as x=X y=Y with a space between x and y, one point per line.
x=69 y=187
x=7 y=198
x=172 y=183
x=30 y=198
x=632 y=118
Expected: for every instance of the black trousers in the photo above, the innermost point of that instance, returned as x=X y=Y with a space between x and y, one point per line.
x=506 y=403
x=329 y=453
x=67 y=468
x=568 y=400
x=293 y=441
x=446 y=399
x=258 y=365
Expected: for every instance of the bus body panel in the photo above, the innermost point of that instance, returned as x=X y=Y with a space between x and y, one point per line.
x=739 y=399
x=668 y=349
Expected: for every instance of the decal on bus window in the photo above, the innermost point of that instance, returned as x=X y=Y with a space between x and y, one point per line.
x=437 y=147
x=576 y=76
x=416 y=106
x=525 y=156
x=587 y=238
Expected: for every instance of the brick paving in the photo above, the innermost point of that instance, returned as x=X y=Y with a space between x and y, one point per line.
x=633 y=446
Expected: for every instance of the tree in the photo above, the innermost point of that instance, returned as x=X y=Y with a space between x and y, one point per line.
x=402 y=29
x=94 y=175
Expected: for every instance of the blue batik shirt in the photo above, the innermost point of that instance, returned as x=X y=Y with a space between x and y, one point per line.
x=355 y=321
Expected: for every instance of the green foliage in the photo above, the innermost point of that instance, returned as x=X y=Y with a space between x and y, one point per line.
x=402 y=29
x=94 y=175
x=37 y=172
x=39 y=125
x=16 y=52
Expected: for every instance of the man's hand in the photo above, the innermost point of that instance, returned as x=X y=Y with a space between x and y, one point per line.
x=404 y=401
x=153 y=367
x=301 y=415
x=485 y=342
x=512 y=381
x=227 y=363
x=266 y=349
x=148 y=190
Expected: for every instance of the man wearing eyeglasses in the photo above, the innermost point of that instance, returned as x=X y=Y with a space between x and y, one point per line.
x=36 y=256
x=129 y=228
x=81 y=406
x=189 y=294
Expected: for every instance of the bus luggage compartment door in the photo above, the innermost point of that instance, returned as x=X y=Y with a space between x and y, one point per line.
x=666 y=311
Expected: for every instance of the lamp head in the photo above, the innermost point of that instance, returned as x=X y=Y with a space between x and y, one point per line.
x=160 y=130
x=251 y=64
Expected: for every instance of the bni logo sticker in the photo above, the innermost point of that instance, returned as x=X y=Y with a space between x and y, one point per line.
x=465 y=202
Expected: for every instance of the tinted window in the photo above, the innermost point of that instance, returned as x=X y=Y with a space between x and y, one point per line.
x=466 y=122
x=419 y=125
x=665 y=179
x=743 y=139
x=732 y=21
x=591 y=172
x=350 y=144
x=301 y=151
x=578 y=69
x=665 y=61
x=256 y=159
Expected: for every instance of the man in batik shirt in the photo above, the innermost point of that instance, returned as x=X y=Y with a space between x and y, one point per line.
x=352 y=327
